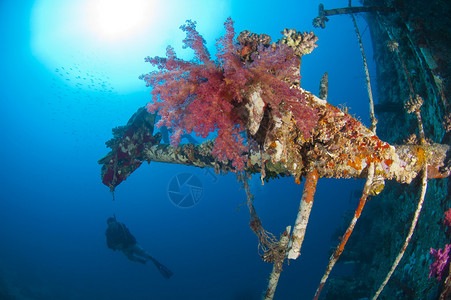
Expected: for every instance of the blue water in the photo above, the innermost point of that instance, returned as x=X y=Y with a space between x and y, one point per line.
x=59 y=104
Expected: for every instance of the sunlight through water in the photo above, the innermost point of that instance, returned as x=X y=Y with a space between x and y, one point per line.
x=114 y=36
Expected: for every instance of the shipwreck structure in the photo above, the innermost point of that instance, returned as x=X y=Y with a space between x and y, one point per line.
x=250 y=97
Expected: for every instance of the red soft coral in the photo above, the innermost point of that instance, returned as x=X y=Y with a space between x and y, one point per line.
x=204 y=95
x=447 y=220
x=194 y=97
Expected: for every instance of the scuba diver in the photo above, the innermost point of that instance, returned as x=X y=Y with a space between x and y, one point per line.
x=118 y=237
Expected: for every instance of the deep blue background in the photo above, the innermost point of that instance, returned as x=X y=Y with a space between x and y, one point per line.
x=53 y=206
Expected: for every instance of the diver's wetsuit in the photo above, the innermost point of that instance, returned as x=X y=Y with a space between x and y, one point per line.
x=118 y=237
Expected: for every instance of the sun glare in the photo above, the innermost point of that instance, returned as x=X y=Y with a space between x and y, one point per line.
x=114 y=36
x=117 y=19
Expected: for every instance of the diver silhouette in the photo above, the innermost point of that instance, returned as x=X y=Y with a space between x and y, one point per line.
x=118 y=237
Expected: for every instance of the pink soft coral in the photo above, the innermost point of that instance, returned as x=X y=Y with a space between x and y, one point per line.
x=204 y=95
x=441 y=264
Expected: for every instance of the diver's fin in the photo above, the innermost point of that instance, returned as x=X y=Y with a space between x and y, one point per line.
x=163 y=270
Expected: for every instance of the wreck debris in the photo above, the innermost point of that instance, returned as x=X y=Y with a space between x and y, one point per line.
x=321 y=19
x=367 y=190
x=126 y=148
x=305 y=207
x=277 y=266
x=334 y=145
x=424 y=184
x=341 y=147
x=367 y=74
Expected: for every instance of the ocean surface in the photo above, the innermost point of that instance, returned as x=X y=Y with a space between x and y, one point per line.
x=68 y=75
